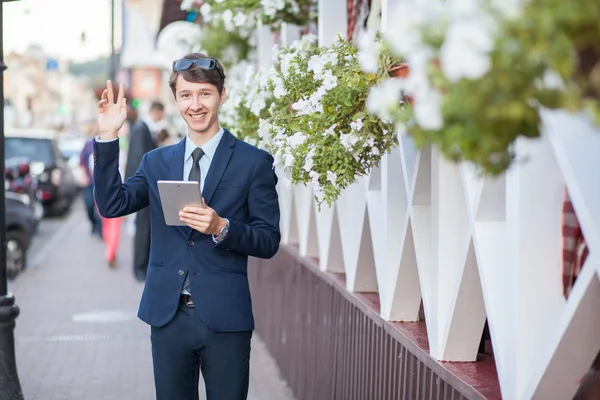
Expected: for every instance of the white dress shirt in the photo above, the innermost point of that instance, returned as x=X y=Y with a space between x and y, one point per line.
x=209 y=149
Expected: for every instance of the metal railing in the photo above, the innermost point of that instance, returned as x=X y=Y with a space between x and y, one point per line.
x=331 y=344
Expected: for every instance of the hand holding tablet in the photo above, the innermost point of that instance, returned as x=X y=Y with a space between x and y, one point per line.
x=175 y=195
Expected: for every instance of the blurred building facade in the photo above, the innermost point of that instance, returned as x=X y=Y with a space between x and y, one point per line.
x=41 y=93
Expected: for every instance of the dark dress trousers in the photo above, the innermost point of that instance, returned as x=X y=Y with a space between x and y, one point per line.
x=214 y=336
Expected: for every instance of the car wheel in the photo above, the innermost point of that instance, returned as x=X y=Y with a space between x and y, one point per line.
x=16 y=252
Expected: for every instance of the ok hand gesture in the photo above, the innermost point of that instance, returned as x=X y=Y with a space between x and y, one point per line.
x=111 y=113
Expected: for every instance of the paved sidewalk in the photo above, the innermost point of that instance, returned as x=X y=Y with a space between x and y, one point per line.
x=78 y=336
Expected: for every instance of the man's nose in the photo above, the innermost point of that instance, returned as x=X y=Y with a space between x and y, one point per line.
x=197 y=104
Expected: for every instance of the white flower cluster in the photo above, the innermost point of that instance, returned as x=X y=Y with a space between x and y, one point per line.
x=467 y=29
x=241 y=22
x=244 y=21
x=276 y=137
x=271 y=7
x=244 y=89
x=309 y=81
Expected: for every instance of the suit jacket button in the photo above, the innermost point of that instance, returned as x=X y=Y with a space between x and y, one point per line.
x=191 y=243
x=181 y=272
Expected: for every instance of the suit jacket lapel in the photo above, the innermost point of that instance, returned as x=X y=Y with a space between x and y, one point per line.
x=218 y=165
x=176 y=165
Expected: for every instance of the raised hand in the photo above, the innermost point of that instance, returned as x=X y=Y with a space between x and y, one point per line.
x=111 y=114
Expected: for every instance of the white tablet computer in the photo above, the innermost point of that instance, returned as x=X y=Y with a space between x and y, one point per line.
x=174 y=195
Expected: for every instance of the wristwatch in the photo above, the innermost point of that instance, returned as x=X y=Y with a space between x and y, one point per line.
x=223 y=232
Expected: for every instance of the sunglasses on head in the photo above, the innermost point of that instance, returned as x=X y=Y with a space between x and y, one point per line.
x=204 y=63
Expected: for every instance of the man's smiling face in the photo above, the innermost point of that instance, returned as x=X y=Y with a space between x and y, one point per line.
x=198 y=104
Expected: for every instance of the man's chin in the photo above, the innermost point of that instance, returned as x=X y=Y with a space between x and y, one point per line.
x=199 y=127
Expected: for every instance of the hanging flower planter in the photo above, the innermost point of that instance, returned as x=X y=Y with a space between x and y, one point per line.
x=399 y=71
x=327 y=137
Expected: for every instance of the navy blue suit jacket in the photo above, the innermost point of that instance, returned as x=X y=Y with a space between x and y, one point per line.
x=239 y=186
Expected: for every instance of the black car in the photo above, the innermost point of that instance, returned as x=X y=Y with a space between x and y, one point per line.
x=20 y=228
x=22 y=185
x=55 y=179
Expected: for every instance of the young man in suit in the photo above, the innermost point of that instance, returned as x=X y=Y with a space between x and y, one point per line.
x=196 y=297
x=142 y=139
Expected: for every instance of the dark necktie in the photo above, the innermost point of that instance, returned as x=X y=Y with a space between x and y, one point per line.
x=194 y=176
x=195 y=171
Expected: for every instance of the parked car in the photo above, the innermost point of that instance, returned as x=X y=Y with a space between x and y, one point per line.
x=55 y=179
x=70 y=147
x=20 y=228
x=20 y=184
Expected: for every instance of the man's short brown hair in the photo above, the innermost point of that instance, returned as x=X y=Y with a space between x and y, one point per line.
x=200 y=75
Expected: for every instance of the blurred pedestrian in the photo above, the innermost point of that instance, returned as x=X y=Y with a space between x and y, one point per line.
x=164 y=138
x=111 y=227
x=142 y=139
x=86 y=163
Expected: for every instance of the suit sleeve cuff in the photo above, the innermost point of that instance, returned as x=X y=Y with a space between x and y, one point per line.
x=97 y=139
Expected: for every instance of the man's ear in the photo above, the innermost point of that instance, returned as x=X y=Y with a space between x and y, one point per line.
x=223 y=96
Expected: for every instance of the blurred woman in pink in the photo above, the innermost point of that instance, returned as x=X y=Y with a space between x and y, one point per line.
x=111 y=227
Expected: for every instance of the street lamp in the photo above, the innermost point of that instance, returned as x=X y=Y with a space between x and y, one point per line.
x=10 y=387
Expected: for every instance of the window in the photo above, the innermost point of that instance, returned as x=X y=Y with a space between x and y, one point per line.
x=36 y=150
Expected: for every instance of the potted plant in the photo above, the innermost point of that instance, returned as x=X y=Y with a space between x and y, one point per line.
x=319 y=127
x=247 y=12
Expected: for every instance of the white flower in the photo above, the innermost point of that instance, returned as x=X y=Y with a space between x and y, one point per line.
x=368 y=52
x=309 y=162
x=308 y=39
x=552 y=80
x=409 y=19
x=301 y=105
x=288 y=159
x=264 y=129
x=384 y=98
x=257 y=105
x=205 y=11
x=316 y=65
x=348 y=140
x=357 y=125
x=329 y=80
x=187 y=5
x=375 y=151
x=314 y=176
x=296 y=139
x=331 y=177
x=240 y=19
x=286 y=63
x=279 y=88
x=330 y=58
x=227 y=18
x=427 y=111
x=330 y=130
x=270 y=7
x=466 y=47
